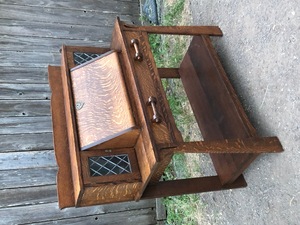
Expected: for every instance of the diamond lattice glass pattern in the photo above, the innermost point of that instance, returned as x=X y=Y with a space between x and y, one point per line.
x=109 y=165
x=83 y=57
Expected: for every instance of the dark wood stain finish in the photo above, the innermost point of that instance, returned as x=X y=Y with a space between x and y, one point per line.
x=216 y=107
x=229 y=137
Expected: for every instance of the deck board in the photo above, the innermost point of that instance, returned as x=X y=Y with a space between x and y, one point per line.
x=24 y=160
x=42 y=44
x=55 y=30
x=46 y=213
x=28 y=196
x=25 y=125
x=24 y=108
x=57 y=15
x=113 y=6
x=31 y=35
x=31 y=177
x=26 y=142
x=24 y=91
x=141 y=216
x=20 y=75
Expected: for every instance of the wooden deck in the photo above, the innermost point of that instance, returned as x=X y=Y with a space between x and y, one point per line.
x=31 y=33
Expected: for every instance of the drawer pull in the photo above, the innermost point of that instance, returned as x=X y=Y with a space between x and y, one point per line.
x=138 y=55
x=152 y=101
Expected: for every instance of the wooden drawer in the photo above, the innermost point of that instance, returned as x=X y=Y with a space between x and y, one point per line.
x=149 y=84
x=111 y=175
x=143 y=81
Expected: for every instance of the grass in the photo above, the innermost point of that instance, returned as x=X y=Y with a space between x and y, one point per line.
x=180 y=209
x=160 y=44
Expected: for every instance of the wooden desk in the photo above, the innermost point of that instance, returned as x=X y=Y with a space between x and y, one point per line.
x=228 y=134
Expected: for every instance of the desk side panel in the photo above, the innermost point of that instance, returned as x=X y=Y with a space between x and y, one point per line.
x=60 y=137
x=71 y=127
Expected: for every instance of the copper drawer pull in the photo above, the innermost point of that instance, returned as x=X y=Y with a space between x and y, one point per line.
x=152 y=101
x=138 y=55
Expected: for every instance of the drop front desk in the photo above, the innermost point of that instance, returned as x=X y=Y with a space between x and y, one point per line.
x=114 y=133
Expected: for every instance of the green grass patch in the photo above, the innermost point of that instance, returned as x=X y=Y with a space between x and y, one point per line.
x=181 y=209
x=174 y=14
x=168 y=51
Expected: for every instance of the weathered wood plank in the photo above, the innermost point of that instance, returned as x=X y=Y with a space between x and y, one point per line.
x=24 y=91
x=98 y=17
x=55 y=30
x=30 y=75
x=23 y=160
x=28 y=59
x=51 y=212
x=112 y=6
x=24 y=108
x=140 y=217
x=23 y=125
x=28 y=43
x=27 y=196
x=37 y=44
x=26 y=142
x=27 y=177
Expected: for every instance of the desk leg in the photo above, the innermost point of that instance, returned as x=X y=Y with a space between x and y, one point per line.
x=245 y=145
x=168 y=72
x=190 y=186
x=179 y=30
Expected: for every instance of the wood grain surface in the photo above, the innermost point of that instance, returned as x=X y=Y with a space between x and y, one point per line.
x=56 y=30
x=24 y=108
x=216 y=107
x=144 y=72
x=189 y=186
x=29 y=177
x=65 y=184
x=145 y=148
x=41 y=212
x=106 y=112
x=31 y=37
x=47 y=13
x=71 y=126
x=168 y=72
x=247 y=145
x=182 y=30
x=108 y=193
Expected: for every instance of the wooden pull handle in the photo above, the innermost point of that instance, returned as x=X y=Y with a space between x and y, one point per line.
x=138 y=55
x=152 y=101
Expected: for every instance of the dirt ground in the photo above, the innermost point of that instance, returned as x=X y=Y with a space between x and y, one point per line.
x=260 y=52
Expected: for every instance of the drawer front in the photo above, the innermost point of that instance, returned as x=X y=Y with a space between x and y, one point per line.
x=152 y=95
